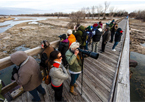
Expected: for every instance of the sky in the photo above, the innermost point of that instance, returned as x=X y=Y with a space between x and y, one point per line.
x=66 y=6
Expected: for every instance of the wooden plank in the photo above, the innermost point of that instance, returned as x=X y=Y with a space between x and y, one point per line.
x=5 y=62
x=29 y=97
x=46 y=96
x=122 y=90
x=9 y=87
x=24 y=97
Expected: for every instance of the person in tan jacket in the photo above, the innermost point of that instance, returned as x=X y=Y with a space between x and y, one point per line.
x=58 y=74
x=28 y=74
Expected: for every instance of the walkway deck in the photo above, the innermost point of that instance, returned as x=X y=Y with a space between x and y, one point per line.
x=98 y=77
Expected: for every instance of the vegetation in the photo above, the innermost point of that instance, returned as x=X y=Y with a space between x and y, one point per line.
x=138 y=15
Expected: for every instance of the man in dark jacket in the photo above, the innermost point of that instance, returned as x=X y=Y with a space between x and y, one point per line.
x=117 y=38
x=96 y=39
x=105 y=38
x=63 y=47
x=113 y=30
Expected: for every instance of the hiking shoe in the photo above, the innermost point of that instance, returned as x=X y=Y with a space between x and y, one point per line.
x=113 y=50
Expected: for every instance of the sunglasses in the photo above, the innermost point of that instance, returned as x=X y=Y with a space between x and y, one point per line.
x=59 y=57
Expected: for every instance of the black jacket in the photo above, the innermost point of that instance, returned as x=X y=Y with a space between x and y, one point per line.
x=97 y=36
x=63 y=47
x=118 y=35
x=106 y=36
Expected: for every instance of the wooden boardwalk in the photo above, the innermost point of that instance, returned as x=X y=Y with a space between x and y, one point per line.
x=98 y=77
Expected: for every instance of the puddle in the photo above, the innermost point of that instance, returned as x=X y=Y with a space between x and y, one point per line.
x=143 y=45
x=21 y=48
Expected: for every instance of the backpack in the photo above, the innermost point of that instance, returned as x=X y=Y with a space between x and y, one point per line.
x=84 y=37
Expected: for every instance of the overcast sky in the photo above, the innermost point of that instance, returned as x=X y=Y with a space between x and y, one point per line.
x=50 y=6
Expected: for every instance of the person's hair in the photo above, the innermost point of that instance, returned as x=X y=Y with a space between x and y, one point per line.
x=46 y=43
x=53 y=55
x=74 y=45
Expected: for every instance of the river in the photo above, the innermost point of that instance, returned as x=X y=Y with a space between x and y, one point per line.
x=137 y=82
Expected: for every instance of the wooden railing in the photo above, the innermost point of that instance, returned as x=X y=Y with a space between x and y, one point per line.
x=6 y=62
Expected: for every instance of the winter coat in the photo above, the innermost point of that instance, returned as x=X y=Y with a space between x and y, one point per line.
x=74 y=63
x=29 y=75
x=58 y=74
x=78 y=34
x=71 y=39
x=63 y=46
x=97 y=36
x=90 y=35
x=45 y=56
x=106 y=35
x=118 y=35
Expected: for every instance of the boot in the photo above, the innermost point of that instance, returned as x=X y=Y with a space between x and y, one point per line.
x=75 y=85
x=72 y=90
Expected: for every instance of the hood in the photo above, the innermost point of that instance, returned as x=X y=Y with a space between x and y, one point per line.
x=18 y=57
x=100 y=29
x=119 y=30
x=82 y=28
x=65 y=41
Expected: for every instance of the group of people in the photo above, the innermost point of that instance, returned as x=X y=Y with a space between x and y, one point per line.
x=54 y=63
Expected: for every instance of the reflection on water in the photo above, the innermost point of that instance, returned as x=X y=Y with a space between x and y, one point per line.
x=137 y=82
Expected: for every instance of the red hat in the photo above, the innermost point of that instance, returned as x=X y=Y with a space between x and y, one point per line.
x=95 y=25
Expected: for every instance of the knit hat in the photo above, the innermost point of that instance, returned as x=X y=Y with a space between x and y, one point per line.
x=69 y=32
x=63 y=36
x=99 y=26
x=89 y=28
x=95 y=25
x=74 y=45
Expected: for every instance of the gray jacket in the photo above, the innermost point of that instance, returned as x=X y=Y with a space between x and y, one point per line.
x=58 y=75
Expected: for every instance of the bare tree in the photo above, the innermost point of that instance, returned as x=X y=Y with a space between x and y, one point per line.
x=88 y=12
x=99 y=10
x=106 y=4
x=112 y=11
x=83 y=10
x=77 y=17
x=93 y=11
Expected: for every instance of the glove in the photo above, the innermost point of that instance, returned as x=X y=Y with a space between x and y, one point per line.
x=15 y=70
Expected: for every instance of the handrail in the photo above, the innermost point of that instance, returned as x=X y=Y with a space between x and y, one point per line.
x=5 y=62
x=122 y=89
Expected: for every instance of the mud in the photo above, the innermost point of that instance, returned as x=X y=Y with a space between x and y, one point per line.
x=30 y=34
x=137 y=36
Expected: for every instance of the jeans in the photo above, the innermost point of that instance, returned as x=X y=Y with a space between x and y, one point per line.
x=95 y=46
x=115 y=44
x=35 y=94
x=74 y=77
x=58 y=92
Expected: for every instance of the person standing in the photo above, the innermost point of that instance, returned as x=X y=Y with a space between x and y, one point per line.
x=58 y=74
x=45 y=63
x=89 y=32
x=63 y=47
x=96 y=39
x=113 y=30
x=81 y=36
x=105 y=39
x=117 y=38
x=71 y=37
x=28 y=74
x=75 y=65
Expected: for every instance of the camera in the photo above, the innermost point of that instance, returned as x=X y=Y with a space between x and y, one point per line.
x=89 y=53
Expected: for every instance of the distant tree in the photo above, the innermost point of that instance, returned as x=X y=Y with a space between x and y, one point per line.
x=93 y=11
x=99 y=10
x=111 y=12
x=88 y=12
x=83 y=10
x=106 y=6
x=77 y=17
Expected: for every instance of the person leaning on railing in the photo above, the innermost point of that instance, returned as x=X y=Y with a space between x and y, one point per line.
x=75 y=63
x=27 y=74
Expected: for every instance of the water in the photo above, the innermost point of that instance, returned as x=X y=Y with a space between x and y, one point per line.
x=137 y=82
